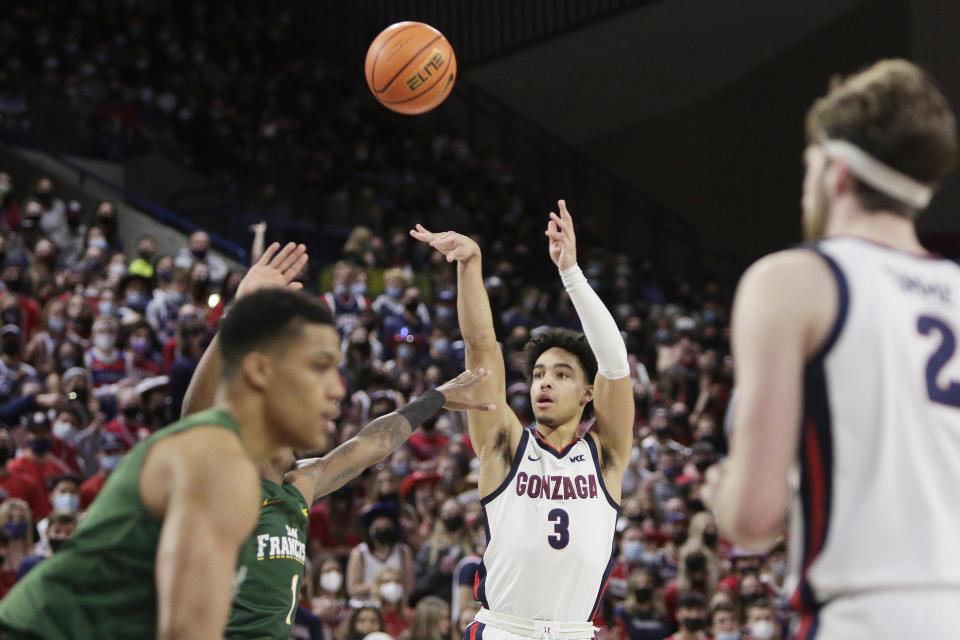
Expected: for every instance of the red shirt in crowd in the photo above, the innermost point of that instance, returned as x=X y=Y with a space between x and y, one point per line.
x=427 y=445
x=50 y=468
x=90 y=488
x=131 y=433
x=320 y=531
x=32 y=320
x=25 y=487
x=65 y=453
x=395 y=622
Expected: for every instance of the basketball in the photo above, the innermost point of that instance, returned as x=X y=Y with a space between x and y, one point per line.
x=410 y=67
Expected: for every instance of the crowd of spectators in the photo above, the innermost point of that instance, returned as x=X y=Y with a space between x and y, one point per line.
x=100 y=334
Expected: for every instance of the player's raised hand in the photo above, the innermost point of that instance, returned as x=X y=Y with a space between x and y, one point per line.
x=453 y=245
x=458 y=391
x=276 y=268
x=563 y=242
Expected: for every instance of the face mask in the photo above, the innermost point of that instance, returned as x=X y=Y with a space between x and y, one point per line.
x=136 y=300
x=63 y=429
x=401 y=469
x=4 y=454
x=391 y=591
x=199 y=254
x=453 y=523
x=67 y=501
x=16 y=530
x=727 y=635
x=358 y=289
x=693 y=624
x=140 y=346
x=441 y=345
x=11 y=346
x=45 y=197
x=633 y=550
x=165 y=275
x=106 y=308
x=394 y=292
x=117 y=269
x=131 y=413
x=99 y=243
x=5 y=188
x=762 y=630
x=384 y=536
x=405 y=352
x=643 y=594
x=662 y=335
x=39 y=446
x=104 y=341
x=10 y=316
x=56 y=543
x=109 y=463
x=56 y=325
x=709 y=538
x=445 y=312
x=331 y=581
x=341 y=289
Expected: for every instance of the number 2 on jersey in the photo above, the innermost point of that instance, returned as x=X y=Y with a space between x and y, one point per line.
x=561 y=528
x=950 y=394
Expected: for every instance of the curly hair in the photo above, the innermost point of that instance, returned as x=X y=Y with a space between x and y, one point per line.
x=568 y=340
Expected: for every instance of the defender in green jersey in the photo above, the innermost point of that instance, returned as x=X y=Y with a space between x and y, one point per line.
x=156 y=555
x=273 y=564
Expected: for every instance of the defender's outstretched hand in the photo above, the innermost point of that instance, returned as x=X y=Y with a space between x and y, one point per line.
x=455 y=246
x=275 y=268
x=457 y=392
x=563 y=242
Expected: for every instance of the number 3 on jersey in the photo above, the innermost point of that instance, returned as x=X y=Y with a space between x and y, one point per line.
x=561 y=528
x=949 y=394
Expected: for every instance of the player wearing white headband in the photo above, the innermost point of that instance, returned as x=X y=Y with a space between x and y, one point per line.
x=848 y=388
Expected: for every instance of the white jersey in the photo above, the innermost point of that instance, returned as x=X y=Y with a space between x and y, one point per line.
x=550 y=528
x=879 y=459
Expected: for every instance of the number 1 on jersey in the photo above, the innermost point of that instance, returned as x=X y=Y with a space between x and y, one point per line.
x=293 y=605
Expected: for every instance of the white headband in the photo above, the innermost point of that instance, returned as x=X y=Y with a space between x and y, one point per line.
x=881 y=177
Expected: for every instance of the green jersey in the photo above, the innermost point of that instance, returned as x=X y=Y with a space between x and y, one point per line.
x=101 y=583
x=266 y=604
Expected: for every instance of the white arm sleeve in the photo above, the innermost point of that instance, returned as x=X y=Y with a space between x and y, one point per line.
x=598 y=325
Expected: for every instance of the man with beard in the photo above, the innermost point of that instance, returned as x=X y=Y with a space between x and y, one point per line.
x=845 y=367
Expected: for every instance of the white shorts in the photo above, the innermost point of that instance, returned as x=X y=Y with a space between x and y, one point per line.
x=489 y=625
x=882 y=615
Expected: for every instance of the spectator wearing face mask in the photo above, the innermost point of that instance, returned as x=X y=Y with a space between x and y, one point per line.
x=109 y=455
x=438 y=557
x=723 y=623
x=192 y=341
x=345 y=300
x=135 y=290
x=53 y=216
x=141 y=346
x=64 y=495
x=17 y=523
x=61 y=524
x=389 y=594
x=14 y=373
x=17 y=307
x=329 y=601
x=70 y=237
x=639 y=614
x=198 y=251
x=37 y=459
x=106 y=218
x=168 y=297
x=761 y=623
x=389 y=302
x=691 y=617
x=106 y=363
x=18 y=484
x=696 y=575
x=383 y=549
x=128 y=424
x=142 y=265
x=660 y=436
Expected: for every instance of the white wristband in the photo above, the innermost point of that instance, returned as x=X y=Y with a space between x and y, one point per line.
x=598 y=325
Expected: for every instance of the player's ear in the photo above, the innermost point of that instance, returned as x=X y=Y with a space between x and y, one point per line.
x=839 y=180
x=587 y=395
x=256 y=368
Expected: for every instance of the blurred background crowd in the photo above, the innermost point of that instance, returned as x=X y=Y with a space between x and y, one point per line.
x=101 y=333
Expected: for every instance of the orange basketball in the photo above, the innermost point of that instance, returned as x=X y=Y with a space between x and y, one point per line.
x=410 y=67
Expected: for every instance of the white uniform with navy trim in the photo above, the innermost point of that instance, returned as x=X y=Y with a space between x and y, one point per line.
x=550 y=528
x=874 y=533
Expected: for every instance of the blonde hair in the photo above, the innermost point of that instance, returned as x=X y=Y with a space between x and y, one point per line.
x=5 y=516
x=358 y=240
x=380 y=579
x=427 y=617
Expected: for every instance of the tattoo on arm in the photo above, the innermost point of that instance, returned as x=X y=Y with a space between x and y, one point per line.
x=371 y=445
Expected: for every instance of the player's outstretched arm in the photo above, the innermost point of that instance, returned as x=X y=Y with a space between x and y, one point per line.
x=276 y=268
x=209 y=507
x=493 y=434
x=319 y=476
x=613 y=389
x=784 y=307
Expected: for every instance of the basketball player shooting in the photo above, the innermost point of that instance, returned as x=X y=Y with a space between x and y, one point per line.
x=273 y=561
x=550 y=498
x=845 y=368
